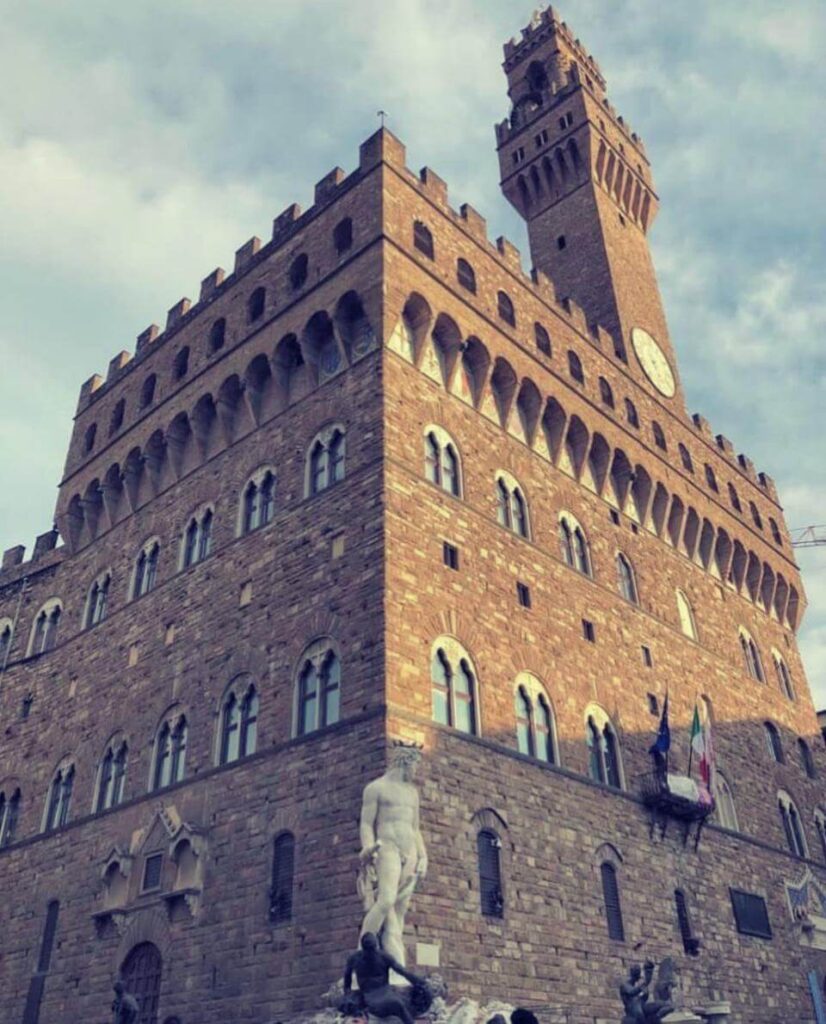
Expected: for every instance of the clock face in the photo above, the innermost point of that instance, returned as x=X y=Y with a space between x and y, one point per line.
x=652 y=360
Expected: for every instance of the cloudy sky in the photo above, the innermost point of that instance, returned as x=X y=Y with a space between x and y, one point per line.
x=141 y=144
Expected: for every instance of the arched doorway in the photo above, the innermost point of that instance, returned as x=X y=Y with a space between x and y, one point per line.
x=141 y=974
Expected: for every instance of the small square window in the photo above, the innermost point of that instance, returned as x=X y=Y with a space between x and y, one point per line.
x=560 y=242
x=588 y=631
x=614 y=517
x=152 y=872
x=653 y=704
x=647 y=660
x=634 y=528
x=750 y=914
x=450 y=555
x=569 y=119
x=523 y=594
x=26 y=706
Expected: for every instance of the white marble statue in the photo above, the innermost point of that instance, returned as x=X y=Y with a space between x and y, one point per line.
x=393 y=858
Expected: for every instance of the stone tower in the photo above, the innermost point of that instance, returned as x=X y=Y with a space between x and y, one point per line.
x=580 y=177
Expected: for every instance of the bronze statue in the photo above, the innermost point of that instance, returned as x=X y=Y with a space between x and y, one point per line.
x=372 y=968
x=635 y=995
x=125 y=1007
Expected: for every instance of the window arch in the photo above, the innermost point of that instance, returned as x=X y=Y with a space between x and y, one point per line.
x=535 y=723
x=725 y=810
x=659 y=436
x=170 y=751
x=258 y=500
x=299 y=269
x=611 y=901
x=504 y=307
x=453 y=687
x=784 y=677
x=631 y=414
x=256 y=303
x=45 y=627
x=575 y=367
x=792 y=825
x=112 y=775
x=318 y=688
x=116 y=419
x=820 y=828
x=325 y=460
x=217 y=335
x=441 y=459
x=238 y=734
x=751 y=656
x=180 y=365
x=605 y=393
x=89 y=438
x=711 y=479
x=423 y=239
x=775 y=532
x=283 y=871
x=6 y=634
x=511 y=506
x=148 y=391
x=774 y=742
x=627 y=579
x=543 y=339
x=343 y=235
x=9 y=815
x=488 y=854
x=196 y=543
x=734 y=498
x=604 y=761
x=685 y=458
x=686 y=616
x=59 y=800
x=806 y=759
x=756 y=518
x=97 y=600
x=575 y=551
x=466 y=275
x=146 y=568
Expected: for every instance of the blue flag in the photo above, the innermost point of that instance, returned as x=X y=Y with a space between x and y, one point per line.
x=662 y=743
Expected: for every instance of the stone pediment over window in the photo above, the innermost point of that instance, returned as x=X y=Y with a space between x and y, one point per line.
x=807 y=905
x=164 y=863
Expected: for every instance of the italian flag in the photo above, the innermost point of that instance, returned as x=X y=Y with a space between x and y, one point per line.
x=701 y=748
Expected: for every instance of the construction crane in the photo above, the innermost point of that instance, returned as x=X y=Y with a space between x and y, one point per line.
x=808 y=536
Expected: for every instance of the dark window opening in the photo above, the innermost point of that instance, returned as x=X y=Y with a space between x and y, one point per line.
x=466 y=275
x=611 y=899
x=575 y=367
x=588 y=631
x=152 y=868
x=561 y=242
x=148 y=391
x=423 y=239
x=180 y=367
x=217 y=335
x=450 y=556
x=488 y=846
x=256 y=303
x=750 y=914
x=523 y=595
x=647 y=660
x=543 y=339
x=505 y=309
x=283 y=869
x=299 y=268
x=343 y=235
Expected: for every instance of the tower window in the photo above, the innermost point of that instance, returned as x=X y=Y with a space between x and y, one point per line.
x=299 y=268
x=318 y=696
x=774 y=743
x=423 y=239
x=647 y=660
x=450 y=556
x=560 y=242
x=711 y=479
x=343 y=235
x=465 y=275
x=523 y=595
x=605 y=393
x=453 y=689
x=505 y=309
x=631 y=414
x=588 y=631
x=116 y=422
x=89 y=439
x=148 y=391
x=543 y=339
x=685 y=458
x=659 y=436
x=653 y=704
x=217 y=334
x=181 y=365
x=256 y=303
x=575 y=367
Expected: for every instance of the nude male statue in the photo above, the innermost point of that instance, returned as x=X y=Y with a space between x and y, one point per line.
x=125 y=1007
x=393 y=856
x=372 y=969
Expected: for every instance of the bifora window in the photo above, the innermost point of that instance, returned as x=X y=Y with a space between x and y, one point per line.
x=318 y=688
x=258 y=502
x=170 y=753
x=146 y=569
x=441 y=461
x=534 y=720
x=453 y=687
x=198 y=538
x=60 y=798
x=9 y=813
x=326 y=460
x=574 y=545
x=112 y=776
x=239 y=722
x=603 y=750
x=511 y=507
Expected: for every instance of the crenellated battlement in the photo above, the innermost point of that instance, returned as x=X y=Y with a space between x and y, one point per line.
x=543 y=25
x=15 y=565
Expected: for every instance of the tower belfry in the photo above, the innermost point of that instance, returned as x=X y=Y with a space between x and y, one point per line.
x=580 y=177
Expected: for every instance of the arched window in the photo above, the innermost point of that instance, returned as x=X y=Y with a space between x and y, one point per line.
x=488 y=850
x=217 y=335
x=535 y=730
x=466 y=275
x=685 y=458
x=631 y=414
x=180 y=366
x=6 y=631
x=775 y=532
x=9 y=813
x=611 y=900
x=146 y=568
x=659 y=436
x=453 y=687
x=116 y=420
x=627 y=580
x=685 y=614
x=806 y=759
x=258 y=506
x=605 y=393
x=318 y=688
x=343 y=235
x=112 y=776
x=148 y=391
x=574 y=544
x=543 y=339
x=603 y=749
x=751 y=656
x=792 y=825
x=504 y=307
x=96 y=600
x=256 y=303
x=197 y=540
x=756 y=518
x=734 y=498
x=59 y=801
x=442 y=461
x=141 y=975
x=711 y=479
x=511 y=507
x=325 y=460
x=45 y=627
x=725 y=811
x=89 y=438
x=575 y=367
x=783 y=675
x=299 y=269
x=283 y=870
x=820 y=827
x=774 y=743
x=239 y=721
x=423 y=239
x=170 y=752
